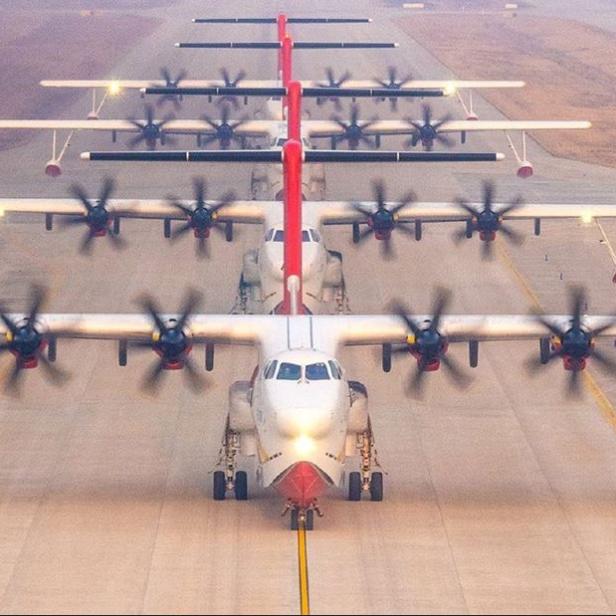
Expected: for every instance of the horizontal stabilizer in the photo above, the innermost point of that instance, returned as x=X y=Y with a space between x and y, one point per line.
x=275 y=156
x=289 y=20
x=306 y=92
x=296 y=45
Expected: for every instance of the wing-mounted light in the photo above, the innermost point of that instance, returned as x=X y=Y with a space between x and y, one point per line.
x=427 y=345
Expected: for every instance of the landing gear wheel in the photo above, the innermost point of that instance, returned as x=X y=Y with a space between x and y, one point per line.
x=309 y=523
x=241 y=486
x=294 y=519
x=220 y=486
x=355 y=486
x=376 y=487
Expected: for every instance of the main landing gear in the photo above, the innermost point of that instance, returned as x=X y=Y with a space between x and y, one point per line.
x=365 y=480
x=230 y=480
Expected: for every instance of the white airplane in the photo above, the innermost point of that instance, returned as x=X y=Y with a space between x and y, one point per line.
x=260 y=287
x=354 y=131
x=300 y=414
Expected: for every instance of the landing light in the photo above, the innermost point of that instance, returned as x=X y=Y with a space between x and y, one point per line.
x=586 y=217
x=114 y=88
x=450 y=89
x=304 y=445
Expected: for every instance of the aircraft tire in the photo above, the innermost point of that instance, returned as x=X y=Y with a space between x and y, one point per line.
x=355 y=486
x=241 y=486
x=219 y=486
x=376 y=487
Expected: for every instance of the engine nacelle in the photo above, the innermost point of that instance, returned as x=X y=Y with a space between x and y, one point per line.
x=53 y=169
x=525 y=170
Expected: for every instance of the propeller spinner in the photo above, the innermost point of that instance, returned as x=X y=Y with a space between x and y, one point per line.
x=151 y=131
x=427 y=345
x=426 y=131
x=382 y=221
x=202 y=217
x=171 y=82
x=224 y=130
x=27 y=343
x=392 y=83
x=96 y=216
x=574 y=344
x=172 y=342
x=488 y=222
x=354 y=132
x=332 y=82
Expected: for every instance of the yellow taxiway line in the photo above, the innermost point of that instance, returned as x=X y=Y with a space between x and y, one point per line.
x=603 y=402
x=302 y=565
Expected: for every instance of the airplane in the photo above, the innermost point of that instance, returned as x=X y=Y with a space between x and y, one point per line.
x=300 y=414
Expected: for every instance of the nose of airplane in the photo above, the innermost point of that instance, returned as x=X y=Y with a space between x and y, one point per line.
x=302 y=483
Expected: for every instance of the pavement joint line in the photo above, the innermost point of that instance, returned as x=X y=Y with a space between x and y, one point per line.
x=592 y=386
x=302 y=565
x=606 y=240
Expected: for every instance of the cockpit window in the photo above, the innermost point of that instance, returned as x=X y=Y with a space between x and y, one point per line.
x=335 y=368
x=278 y=236
x=270 y=370
x=289 y=372
x=317 y=372
x=280 y=142
x=315 y=235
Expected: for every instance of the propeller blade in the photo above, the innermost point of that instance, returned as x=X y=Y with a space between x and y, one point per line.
x=181 y=230
x=487 y=251
x=54 y=375
x=85 y=248
x=512 y=235
x=191 y=302
x=577 y=302
x=148 y=304
x=402 y=312
x=80 y=194
x=196 y=381
x=460 y=379
x=37 y=300
x=604 y=360
x=441 y=301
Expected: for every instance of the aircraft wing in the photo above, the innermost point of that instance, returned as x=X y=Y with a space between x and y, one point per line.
x=330 y=128
x=238 y=211
x=250 y=128
x=227 y=329
x=332 y=331
x=347 y=212
x=115 y=86
x=448 y=85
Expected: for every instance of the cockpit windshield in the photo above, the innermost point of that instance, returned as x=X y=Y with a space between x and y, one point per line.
x=289 y=372
x=277 y=235
x=317 y=372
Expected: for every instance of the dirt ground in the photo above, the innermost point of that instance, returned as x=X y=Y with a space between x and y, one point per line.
x=569 y=68
x=55 y=45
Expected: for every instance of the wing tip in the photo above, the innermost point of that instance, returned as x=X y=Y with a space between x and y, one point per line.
x=500 y=156
x=85 y=156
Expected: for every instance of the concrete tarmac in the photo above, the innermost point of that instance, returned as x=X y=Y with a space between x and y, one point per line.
x=499 y=499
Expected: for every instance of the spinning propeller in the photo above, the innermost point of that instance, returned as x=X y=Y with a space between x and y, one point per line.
x=392 y=83
x=382 y=221
x=26 y=342
x=354 y=133
x=150 y=130
x=574 y=345
x=332 y=82
x=171 y=82
x=426 y=131
x=488 y=221
x=201 y=218
x=427 y=345
x=96 y=216
x=224 y=129
x=230 y=83
x=172 y=343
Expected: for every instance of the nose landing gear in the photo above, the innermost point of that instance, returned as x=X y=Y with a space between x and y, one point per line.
x=302 y=517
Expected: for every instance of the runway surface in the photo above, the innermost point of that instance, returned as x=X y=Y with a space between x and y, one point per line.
x=500 y=499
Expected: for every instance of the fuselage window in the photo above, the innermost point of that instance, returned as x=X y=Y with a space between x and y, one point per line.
x=317 y=372
x=270 y=370
x=335 y=368
x=289 y=372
